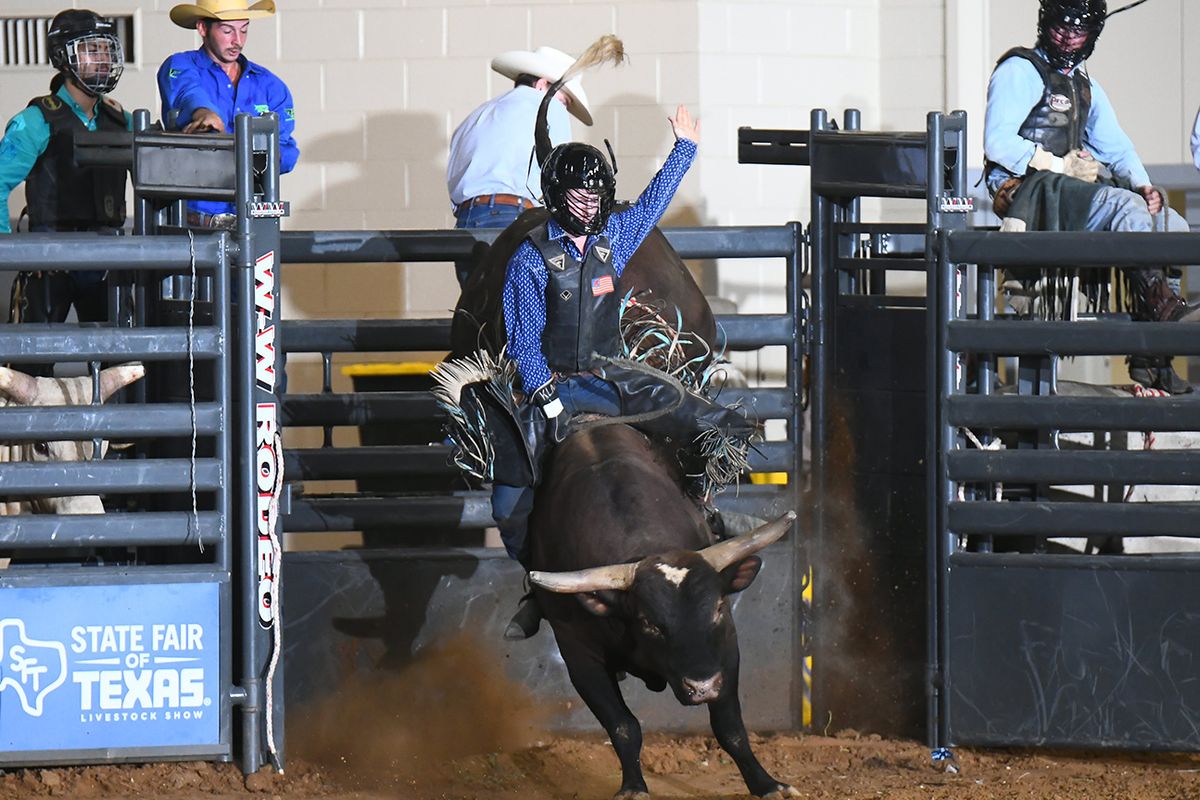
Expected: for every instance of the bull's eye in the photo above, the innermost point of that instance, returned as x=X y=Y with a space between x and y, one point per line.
x=41 y=449
x=650 y=629
x=720 y=612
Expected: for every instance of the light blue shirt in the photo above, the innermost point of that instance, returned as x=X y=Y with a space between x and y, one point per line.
x=1196 y=142
x=25 y=139
x=1015 y=88
x=490 y=151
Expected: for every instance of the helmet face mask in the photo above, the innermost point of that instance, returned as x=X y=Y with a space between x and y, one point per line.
x=1060 y=21
x=578 y=188
x=84 y=46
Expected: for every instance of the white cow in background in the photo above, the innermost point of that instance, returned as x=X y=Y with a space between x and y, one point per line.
x=19 y=389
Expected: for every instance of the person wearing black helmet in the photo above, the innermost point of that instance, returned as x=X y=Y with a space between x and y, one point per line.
x=1050 y=125
x=37 y=148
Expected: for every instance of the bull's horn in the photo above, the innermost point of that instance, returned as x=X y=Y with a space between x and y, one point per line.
x=618 y=577
x=22 y=388
x=721 y=555
x=113 y=379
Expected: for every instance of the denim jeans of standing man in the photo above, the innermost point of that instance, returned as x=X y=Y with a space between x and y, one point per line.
x=484 y=215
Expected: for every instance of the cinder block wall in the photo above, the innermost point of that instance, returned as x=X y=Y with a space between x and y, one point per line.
x=381 y=84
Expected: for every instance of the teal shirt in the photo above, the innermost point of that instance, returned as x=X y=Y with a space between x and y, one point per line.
x=25 y=139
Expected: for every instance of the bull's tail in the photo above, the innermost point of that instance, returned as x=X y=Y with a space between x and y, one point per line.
x=608 y=48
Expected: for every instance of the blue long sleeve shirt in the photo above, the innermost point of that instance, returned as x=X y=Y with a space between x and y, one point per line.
x=191 y=80
x=1196 y=142
x=524 y=296
x=1015 y=88
x=25 y=139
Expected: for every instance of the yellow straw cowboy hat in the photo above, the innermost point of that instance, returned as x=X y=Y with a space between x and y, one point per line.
x=185 y=15
x=548 y=63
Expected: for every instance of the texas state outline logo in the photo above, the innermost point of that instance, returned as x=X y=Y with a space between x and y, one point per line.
x=32 y=668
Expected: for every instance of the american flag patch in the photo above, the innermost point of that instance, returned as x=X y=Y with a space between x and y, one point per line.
x=602 y=285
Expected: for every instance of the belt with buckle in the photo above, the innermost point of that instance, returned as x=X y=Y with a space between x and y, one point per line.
x=496 y=199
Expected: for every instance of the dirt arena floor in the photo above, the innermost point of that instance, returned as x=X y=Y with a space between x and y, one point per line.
x=446 y=728
x=844 y=766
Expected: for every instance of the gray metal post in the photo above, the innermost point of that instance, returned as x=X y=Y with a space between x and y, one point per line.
x=823 y=287
x=247 y=585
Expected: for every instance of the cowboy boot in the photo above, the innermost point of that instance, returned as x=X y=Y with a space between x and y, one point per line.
x=528 y=619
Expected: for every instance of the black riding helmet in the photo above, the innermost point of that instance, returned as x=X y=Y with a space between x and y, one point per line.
x=71 y=33
x=1086 y=14
x=575 y=165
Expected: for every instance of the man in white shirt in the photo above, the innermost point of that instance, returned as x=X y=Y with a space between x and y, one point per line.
x=491 y=174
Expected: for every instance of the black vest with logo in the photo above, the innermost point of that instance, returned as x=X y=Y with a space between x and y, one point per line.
x=582 y=306
x=1058 y=121
x=63 y=196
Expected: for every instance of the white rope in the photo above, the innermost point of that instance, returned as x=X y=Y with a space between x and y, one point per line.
x=194 y=519
x=995 y=444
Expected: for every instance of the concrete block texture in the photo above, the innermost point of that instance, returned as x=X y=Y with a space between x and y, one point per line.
x=327 y=35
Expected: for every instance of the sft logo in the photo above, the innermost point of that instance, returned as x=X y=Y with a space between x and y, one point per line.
x=30 y=667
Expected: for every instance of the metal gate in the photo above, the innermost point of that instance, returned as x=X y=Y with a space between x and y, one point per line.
x=144 y=633
x=370 y=608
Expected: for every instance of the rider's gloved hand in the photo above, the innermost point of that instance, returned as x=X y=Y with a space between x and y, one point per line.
x=1077 y=164
x=546 y=398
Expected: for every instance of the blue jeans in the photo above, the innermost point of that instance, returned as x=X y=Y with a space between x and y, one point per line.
x=583 y=393
x=485 y=215
x=1116 y=209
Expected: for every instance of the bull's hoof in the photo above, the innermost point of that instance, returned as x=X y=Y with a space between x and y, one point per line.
x=781 y=792
x=631 y=794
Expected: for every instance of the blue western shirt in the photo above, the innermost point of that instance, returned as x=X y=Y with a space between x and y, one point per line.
x=524 y=294
x=191 y=80
x=25 y=139
x=1015 y=88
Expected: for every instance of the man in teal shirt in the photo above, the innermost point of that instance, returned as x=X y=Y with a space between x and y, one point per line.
x=38 y=149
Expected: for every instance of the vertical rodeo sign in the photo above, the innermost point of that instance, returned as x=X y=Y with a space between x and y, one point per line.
x=109 y=667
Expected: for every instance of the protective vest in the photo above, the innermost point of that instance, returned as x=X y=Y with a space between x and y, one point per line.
x=1058 y=121
x=63 y=196
x=582 y=307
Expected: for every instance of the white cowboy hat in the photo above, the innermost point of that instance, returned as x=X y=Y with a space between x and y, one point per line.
x=185 y=15
x=548 y=63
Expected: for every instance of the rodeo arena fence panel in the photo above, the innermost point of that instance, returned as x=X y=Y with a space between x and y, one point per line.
x=949 y=464
x=423 y=524
x=148 y=630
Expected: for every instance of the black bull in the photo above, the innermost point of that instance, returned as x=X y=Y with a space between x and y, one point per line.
x=624 y=562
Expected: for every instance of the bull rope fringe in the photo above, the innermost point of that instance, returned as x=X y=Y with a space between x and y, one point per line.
x=472 y=450
x=650 y=339
x=651 y=344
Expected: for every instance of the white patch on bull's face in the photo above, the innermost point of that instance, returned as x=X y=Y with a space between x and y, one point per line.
x=673 y=574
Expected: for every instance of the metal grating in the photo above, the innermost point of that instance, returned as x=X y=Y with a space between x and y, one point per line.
x=23 y=40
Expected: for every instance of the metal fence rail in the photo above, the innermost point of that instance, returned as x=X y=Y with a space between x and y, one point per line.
x=470 y=509
x=177 y=560
x=1005 y=499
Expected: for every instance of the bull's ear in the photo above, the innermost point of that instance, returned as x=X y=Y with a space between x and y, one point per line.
x=597 y=603
x=738 y=576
